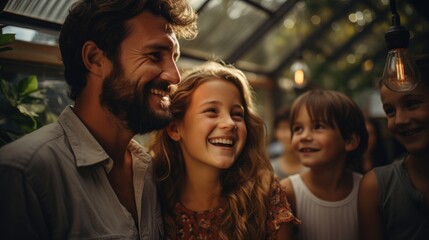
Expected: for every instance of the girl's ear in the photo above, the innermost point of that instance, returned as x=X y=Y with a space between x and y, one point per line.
x=353 y=142
x=173 y=131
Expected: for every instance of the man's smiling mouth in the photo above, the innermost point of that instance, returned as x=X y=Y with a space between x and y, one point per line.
x=159 y=92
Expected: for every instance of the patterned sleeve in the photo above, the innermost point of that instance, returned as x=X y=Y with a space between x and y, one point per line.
x=280 y=211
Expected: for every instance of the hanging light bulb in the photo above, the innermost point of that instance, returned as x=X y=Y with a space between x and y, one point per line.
x=301 y=73
x=400 y=73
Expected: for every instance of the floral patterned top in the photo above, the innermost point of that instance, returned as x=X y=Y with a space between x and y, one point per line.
x=205 y=224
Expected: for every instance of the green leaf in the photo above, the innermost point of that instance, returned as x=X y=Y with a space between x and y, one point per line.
x=27 y=85
x=9 y=92
x=32 y=99
x=25 y=122
x=6 y=38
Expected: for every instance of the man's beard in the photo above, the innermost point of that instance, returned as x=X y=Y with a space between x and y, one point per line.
x=129 y=101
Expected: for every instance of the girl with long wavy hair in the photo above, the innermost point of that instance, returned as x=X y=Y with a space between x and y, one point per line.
x=214 y=177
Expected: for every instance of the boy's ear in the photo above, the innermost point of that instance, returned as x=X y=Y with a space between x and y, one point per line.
x=93 y=58
x=173 y=131
x=353 y=142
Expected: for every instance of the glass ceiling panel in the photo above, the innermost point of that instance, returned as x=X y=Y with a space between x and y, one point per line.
x=223 y=25
x=345 y=28
x=284 y=38
x=362 y=63
x=196 y=4
x=270 y=4
x=355 y=59
x=339 y=49
x=53 y=11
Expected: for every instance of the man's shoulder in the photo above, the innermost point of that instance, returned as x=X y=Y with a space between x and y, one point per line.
x=22 y=151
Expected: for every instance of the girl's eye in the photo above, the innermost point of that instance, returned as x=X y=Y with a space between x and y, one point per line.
x=319 y=126
x=412 y=103
x=238 y=115
x=211 y=112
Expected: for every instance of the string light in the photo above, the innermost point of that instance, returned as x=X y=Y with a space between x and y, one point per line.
x=400 y=73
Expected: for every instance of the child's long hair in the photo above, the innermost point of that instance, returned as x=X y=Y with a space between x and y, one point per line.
x=245 y=185
x=339 y=112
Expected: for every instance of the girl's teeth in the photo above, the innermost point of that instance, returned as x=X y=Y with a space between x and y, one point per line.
x=222 y=141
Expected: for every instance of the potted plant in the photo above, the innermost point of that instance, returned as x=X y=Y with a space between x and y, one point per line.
x=22 y=103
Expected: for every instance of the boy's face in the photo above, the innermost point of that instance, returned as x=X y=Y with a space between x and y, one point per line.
x=317 y=144
x=408 y=116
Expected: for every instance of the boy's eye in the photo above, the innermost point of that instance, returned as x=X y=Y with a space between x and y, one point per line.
x=296 y=129
x=319 y=125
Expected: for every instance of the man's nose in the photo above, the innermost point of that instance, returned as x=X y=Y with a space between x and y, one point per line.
x=171 y=72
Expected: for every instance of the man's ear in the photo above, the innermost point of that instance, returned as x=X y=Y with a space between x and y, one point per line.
x=353 y=142
x=93 y=58
x=173 y=131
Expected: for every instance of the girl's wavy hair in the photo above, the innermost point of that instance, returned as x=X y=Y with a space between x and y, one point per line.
x=339 y=112
x=245 y=186
x=105 y=23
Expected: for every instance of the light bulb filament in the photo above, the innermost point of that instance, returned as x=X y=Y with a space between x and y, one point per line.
x=299 y=77
x=400 y=75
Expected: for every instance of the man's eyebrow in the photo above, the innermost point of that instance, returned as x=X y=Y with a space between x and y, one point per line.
x=161 y=47
x=164 y=47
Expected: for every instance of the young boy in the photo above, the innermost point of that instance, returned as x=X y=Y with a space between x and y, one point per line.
x=328 y=133
x=393 y=199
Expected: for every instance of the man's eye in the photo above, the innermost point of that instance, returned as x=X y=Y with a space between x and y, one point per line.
x=156 y=56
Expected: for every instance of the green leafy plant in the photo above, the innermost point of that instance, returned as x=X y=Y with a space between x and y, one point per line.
x=22 y=104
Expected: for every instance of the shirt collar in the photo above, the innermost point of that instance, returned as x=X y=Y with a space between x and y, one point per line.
x=139 y=152
x=86 y=149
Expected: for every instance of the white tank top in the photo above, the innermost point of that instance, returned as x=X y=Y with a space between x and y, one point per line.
x=326 y=220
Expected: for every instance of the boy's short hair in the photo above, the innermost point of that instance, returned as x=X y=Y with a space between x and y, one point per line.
x=338 y=111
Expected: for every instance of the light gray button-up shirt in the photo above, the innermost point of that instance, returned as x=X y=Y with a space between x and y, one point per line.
x=54 y=185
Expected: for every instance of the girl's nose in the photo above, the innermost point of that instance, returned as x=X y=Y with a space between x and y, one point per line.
x=228 y=122
x=401 y=117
